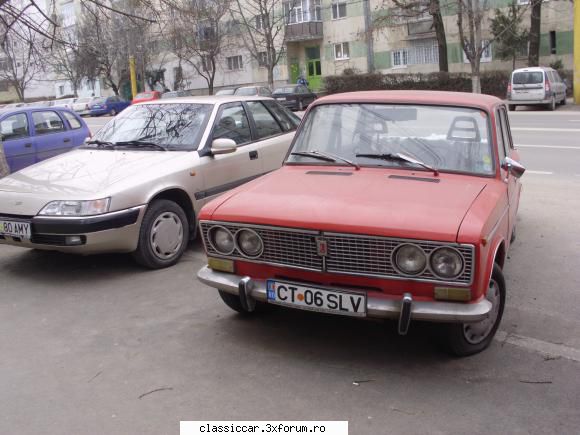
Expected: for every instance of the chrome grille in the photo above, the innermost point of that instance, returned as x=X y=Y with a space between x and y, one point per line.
x=282 y=247
x=347 y=253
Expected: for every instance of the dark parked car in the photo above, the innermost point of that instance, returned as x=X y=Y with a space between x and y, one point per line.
x=295 y=97
x=30 y=135
x=108 y=106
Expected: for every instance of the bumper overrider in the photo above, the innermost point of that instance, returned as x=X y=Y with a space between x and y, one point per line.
x=116 y=231
x=250 y=290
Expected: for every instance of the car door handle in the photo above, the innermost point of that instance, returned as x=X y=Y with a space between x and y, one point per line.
x=253 y=155
x=66 y=140
x=27 y=145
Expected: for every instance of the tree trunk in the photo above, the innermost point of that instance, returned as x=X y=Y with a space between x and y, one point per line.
x=475 y=78
x=535 y=21
x=4 y=168
x=435 y=9
x=514 y=56
x=271 y=76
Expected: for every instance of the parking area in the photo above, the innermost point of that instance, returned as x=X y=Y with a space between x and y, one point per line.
x=99 y=345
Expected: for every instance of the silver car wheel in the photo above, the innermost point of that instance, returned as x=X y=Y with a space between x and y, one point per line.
x=166 y=237
x=475 y=333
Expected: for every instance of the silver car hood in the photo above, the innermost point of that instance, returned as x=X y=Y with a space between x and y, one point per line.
x=83 y=174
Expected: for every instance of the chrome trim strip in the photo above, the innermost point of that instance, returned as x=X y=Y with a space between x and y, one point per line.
x=266 y=227
x=435 y=311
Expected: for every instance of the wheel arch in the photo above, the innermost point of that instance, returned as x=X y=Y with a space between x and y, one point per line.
x=181 y=198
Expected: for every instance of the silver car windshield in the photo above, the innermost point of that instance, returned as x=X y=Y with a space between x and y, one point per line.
x=449 y=139
x=176 y=127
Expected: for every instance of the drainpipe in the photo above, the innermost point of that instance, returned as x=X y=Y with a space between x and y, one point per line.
x=369 y=36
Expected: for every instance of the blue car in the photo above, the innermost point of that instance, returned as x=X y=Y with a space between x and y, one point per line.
x=108 y=106
x=32 y=134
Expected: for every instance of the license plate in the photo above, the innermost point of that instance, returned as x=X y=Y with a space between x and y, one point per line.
x=309 y=298
x=15 y=229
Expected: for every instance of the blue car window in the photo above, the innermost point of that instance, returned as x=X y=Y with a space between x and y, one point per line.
x=47 y=122
x=72 y=120
x=14 y=127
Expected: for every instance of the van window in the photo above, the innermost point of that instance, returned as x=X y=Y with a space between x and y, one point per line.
x=528 y=78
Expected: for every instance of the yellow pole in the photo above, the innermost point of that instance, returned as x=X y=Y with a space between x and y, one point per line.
x=576 y=51
x=133 y=75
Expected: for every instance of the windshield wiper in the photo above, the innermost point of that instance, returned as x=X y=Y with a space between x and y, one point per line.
x=400 y=157
x=324 y=156
x=140 y=143
x=100 y=144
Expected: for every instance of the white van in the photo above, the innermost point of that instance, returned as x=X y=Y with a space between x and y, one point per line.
x=536 y=86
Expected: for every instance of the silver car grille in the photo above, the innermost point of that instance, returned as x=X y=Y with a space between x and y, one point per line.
x=347 y=253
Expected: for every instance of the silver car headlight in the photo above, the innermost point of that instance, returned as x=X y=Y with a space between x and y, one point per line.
x=410 y=259
x=446 y=262
x=221 y=239
x=249 y=243
x=76 y=208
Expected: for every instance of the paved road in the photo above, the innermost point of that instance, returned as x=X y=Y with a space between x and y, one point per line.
x=85 y=338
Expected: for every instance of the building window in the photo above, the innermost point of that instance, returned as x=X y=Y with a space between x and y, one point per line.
x=262 y=58
x=260 y=22
x=300 y=11
x=552 y=42
x=341 y=51
x=423 y=51
x=523 y=2
x=485 y=56
x=234 y=63
x=400 y=58
x=61 y=89
x=338 y=11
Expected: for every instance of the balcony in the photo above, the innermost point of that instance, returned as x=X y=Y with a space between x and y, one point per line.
x=305 y=31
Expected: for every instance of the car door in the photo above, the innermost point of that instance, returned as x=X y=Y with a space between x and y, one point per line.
x=273 y=140
x=51 y=135
x=78 y=130
x=19 y=145
x=226 y=171
x=507 y=148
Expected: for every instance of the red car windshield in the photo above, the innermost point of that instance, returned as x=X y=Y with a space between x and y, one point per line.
x=452 y=139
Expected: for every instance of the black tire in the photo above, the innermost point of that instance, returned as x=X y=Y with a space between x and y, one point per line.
x=564 y=101
x=113 y=112
x=456 y=335
x=513 y=236
x=511 y=107
x=151 y=256
x=300 y=106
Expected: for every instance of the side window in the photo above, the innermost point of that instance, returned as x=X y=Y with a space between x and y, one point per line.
x=233 y=124
x=505 y=128
x=266 y=125
x=501 y=144
x=73 y=122
x=14 y=127
x=47 y=122
x=286 y=118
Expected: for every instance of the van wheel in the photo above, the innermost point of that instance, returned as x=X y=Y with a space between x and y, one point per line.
x=464 y=339
x=113 y=112
x=564 y=101
x=552 y=105
x=511 y=107
x=163 y=236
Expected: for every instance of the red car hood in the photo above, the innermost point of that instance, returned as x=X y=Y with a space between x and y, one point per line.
x=415 y=205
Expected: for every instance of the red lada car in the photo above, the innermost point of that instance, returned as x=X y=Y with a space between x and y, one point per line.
x=389 y=205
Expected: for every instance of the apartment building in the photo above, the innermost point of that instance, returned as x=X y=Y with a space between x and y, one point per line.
x=327 y=37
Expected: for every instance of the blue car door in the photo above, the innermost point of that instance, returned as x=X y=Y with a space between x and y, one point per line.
x=51 y=134
x=19 y=145
x=77 y=128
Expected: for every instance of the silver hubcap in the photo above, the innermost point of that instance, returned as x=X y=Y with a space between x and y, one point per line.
x=475 y=333
x=166 y=235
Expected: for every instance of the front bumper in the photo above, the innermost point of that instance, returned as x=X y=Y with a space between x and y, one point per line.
x=528 y=102
x=377 y=307
x=111 y=232
x=98 y=112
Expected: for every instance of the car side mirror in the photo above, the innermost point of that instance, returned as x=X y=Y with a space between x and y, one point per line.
x=223 y=146
x=513 y=167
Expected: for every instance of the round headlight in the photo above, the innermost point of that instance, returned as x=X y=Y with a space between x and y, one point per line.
x=446 y=262
x=410 y=259
x=221 y=240
x=249 y=243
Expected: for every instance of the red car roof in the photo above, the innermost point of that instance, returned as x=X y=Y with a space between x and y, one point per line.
x=481 y=101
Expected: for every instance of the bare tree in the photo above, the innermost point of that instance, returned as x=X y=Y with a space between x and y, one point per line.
x=198 y=35
x=20 y=59
x=263 y=25
x=411 y=9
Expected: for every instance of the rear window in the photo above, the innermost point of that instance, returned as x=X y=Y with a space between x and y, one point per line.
x=528 y=78
x=286 y=90
x=248 y=92
x=83 y=100
x=72 y=120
